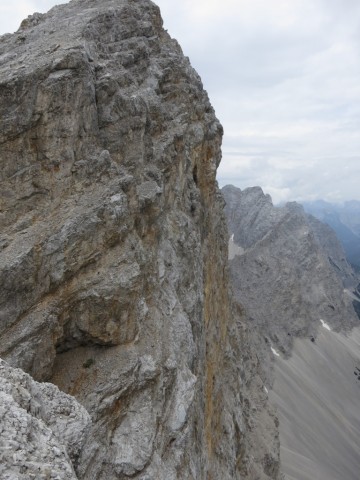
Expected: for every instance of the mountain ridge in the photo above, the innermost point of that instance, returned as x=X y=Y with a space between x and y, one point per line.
x=344 y=219
x=284 y=258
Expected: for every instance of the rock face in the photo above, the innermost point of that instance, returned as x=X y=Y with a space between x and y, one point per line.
x=42 y=429
x=114 y=279
x=291 y=272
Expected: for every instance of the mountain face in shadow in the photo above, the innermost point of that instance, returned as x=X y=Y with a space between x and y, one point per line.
x=344 y=220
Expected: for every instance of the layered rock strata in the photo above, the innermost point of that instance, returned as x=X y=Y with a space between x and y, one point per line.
x=114 y=282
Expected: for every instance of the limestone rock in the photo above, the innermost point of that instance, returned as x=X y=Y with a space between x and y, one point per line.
x=114 y=278
x=330 y=244
x=42 y=429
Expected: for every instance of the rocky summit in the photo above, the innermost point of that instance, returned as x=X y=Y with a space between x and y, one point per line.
x=113 y=268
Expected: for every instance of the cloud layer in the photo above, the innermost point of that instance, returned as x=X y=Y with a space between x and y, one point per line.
x=284 y=80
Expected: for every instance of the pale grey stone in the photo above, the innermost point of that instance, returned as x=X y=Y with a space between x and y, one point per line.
x=114 y=278
x=42 y=429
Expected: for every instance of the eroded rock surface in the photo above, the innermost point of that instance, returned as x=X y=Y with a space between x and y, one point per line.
x=114 y=280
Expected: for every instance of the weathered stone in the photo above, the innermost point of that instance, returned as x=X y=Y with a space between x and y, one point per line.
x=42 y=429
x=113 y=279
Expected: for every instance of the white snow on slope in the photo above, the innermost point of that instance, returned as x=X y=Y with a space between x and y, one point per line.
x=277 y=354
x=325 y=325
x=234 y=249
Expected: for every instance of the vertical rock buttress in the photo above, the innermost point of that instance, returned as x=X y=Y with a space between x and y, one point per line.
x=114 y=282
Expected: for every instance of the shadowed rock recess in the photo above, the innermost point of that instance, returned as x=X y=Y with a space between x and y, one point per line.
x=114 y=280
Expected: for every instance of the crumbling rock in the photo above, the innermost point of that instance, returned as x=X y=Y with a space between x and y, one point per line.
x=42 y=429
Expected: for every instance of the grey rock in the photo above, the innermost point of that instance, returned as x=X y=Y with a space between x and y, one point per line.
x=114 y=278
x=330 y=244
x=42 y=429
x=290 y=275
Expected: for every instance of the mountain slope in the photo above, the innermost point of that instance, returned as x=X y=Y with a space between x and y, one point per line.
x=285 y=278
x=289 y=271
x=317 y=395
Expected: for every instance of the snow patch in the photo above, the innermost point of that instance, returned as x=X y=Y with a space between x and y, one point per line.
x=277 y=354
x=325 y=325
x=234 y=249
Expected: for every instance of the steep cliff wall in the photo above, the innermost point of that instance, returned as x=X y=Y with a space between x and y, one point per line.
x=113 y=280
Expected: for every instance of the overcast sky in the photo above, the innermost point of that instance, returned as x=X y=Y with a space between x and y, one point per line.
x=284 y=79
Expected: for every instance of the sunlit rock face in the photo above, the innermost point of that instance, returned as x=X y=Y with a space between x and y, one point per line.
x=114 y=282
